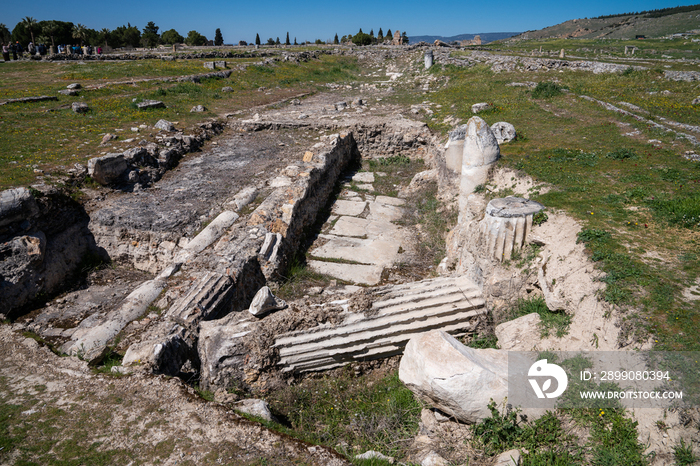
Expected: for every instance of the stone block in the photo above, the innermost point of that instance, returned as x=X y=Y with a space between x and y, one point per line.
x=107 y=169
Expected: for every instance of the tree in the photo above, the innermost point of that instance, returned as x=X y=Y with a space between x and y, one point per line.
x=371 y=32
x=295 y=41
x=171 y=36
x=31 y=24
x=277 y=42
x=51 y=28
x=270 y=41
x=380 y=36
x=286 y=42
x=218 y=38
x=405 y=38
x=335 y=40
x=195 y=39
x=389 y=35
x=150 y=36
x=5 y=34
x=361 y=38
x=80 y=32
x=257 y=39
x=125 y=36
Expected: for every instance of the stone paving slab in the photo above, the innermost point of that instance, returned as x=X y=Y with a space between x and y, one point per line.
x=383 y=212
x=362 y=274
x=366 y=251
x=360 y=227
x=387 y=200
x=351 y=208
x=363 y=177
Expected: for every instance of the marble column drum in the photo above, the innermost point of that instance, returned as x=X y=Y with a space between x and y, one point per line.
x=505 y=226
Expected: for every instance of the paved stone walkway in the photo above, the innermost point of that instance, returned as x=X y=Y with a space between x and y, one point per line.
x=360 y=240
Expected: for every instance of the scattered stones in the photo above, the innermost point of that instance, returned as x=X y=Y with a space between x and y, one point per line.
x=164 y=125
x=341 y=105
x=107 y=169
x=696 y=101
x=690 y=155
x=363 y=177
x=146 y=104
x=108 y=137
x=480 y=107
x=198 y=109
x=79 y=107
x=209 y=65
x=227 y=89
x=358 y=103
x=74 y=86
x=254 y=407
x=308 y=156
x=69 y=92
x=504 y=132
x=303 y=116
x=295 y=102
x=265 y=302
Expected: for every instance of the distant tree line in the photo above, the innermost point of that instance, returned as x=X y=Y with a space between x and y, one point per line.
x=63 y=32
x=362 y=38
x=658 y=13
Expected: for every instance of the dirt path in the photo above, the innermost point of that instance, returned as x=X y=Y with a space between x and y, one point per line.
x=55 y=409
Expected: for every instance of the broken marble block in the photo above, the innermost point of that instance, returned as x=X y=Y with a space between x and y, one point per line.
x=457 y=380
x=504 y=132
x=454 y=148
x=506 y=224
x=164 y=125
x=107 y=169
x=265 y=302
x=480 y=153
x=146 y=104
x=79 y=107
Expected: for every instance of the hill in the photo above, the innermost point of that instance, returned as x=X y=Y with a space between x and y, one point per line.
x=485 y=37
x=650 y=24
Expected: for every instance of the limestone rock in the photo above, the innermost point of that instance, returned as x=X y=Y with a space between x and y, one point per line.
x=433 y=459
x=480 y=153
x=456 y=379
x=504 y=132
x=79 y=107
x=696 y=101
x=264 y=302
x=164 y=125
x=16 y=205
x=198 y=109
x=508 y=458
x=69 y=92
x=341 y=105
x=254 y=407
x=227 y=89
x=480 y=107
x=375 y=455
x=455 y=148
x=520 y=334
x=108 y=137
x=73 y=86
x=146 y=104
x=107 y=169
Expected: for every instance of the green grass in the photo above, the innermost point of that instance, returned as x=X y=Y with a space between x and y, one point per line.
x=551 y=322
x=546 y=90
x=50 y=136
x=683 y=453
x=350 y=413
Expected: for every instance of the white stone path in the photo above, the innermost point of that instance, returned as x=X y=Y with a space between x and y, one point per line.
x=360 y=240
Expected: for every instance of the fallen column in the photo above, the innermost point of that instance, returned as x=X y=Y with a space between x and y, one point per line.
x=400 y=312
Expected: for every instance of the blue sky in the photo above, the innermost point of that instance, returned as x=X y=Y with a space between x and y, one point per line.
x=318 y=19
